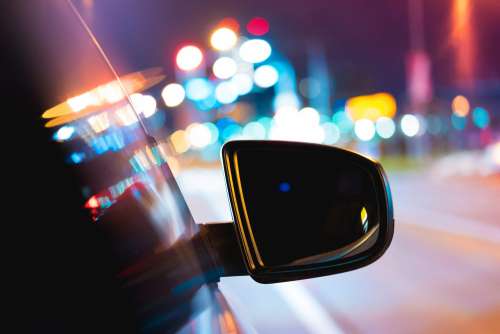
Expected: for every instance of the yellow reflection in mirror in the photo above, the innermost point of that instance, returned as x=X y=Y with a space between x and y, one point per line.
x=364 y=219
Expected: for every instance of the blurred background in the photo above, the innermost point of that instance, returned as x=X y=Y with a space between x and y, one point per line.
x=414 y=84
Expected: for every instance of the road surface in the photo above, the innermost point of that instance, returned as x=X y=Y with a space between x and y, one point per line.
x=441 y=273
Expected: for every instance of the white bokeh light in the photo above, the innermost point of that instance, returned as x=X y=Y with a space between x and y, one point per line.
x=223 y=39
x=198 y=135
x=410 y=125
x=255 y=51
x=364 y=129
x=226 y=92
x=224 y=68
x=243 y=83
x=173 y=94
x=144 y=104
x=266 y=76
x=189 y=58
x=385 y=127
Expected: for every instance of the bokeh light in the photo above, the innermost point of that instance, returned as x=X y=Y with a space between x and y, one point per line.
x=231 y=131
x=254 y=130
x=173 y=94
x=180 y=141
x=144 y=104
x=224 y=68
x=309 y=116
x=266 y=76
x=243 y=83
x=410 y=125
x=371 y=106
x=226 y=92
x=458 y=122
x=258 y=26
x=332 y=133
x=214 y=132
x=364 y=129
x=255 y=51
x=286 y=99
x=189 y=58
x=198 y=135
x=64 y=133
x=198 y=89
x=480 y=117
x=223 y=39
x=309 y=87
x=385 y=127
x=460 y=106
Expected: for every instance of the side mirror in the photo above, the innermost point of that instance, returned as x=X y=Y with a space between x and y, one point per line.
x=306 y=210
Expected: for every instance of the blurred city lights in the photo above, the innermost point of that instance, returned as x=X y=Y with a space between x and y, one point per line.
x=214 y=132
x=99 y=122
x=410 y=125
x=303 y=125
x=495 y=153
x=371 y=106
x=226 y=92
x=189 y=58
x=198 y=135
x=231 y=131
x=286 y=99
x=243 y=83
x=144 y=104
x=180 y=141
x=458 y=122
x=223 y=39
x=258 y=26
x=207 y=103
x=224 y=68
x=266 y=76
x=64 y=133
x=77 y=157
x=173 y=94
x=255 y=51
x=254 y=130
x=364 y=129
x=332 y=133
x=343 y=121
x=198 y=89
x=111 y=92
x=126 y=115
x=309 y=116
x=385 y=127
x=460 y=106
x=480 y=117
x=309 y=87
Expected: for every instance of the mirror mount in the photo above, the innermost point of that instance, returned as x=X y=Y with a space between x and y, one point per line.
x=222 y=246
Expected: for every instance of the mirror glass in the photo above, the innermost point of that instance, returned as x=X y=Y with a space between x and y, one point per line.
x=307 y=207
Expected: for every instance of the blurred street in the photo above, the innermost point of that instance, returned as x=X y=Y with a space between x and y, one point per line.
x=441 y=273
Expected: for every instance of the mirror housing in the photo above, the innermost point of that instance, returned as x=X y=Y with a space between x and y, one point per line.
x=306 y=210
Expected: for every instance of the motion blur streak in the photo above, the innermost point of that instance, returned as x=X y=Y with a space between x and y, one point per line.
x=463 y=40
x=310 y=312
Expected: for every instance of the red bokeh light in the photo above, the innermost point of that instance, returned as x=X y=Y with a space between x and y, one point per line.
x=92 y=203
x=258 y=26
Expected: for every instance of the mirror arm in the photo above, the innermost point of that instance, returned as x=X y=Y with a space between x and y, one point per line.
x=222 y=243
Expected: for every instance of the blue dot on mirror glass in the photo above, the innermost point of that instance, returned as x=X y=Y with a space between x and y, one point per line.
x=285 y=187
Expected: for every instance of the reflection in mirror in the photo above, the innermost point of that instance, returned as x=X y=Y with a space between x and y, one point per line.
x=306 y=207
